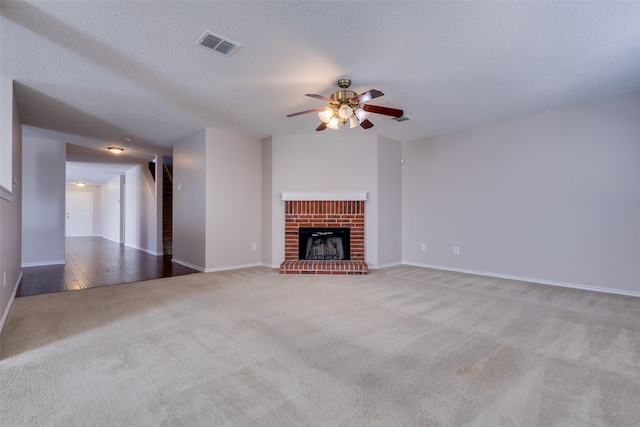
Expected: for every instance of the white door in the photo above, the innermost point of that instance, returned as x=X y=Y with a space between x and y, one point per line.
x=79 y=214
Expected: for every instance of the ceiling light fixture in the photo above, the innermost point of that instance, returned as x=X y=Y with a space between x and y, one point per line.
x=81 y=184
x=115 y=150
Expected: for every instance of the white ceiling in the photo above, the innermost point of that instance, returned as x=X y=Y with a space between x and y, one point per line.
x=104 y=70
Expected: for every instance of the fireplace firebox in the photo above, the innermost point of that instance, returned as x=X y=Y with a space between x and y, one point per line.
x=315 y=243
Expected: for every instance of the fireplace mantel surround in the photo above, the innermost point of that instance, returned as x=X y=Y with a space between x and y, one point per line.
x=324 y=209
x=324 y=196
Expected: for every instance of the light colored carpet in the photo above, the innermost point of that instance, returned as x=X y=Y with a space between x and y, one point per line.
x=402 y=346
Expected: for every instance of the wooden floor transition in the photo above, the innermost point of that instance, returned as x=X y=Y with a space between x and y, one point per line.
x=93 y=262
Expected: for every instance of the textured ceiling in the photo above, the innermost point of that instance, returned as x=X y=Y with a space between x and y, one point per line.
x=103 y=70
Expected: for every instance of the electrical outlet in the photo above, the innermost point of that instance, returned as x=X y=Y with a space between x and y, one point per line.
x=254 y=247
x=423 y=247
x=456 y=250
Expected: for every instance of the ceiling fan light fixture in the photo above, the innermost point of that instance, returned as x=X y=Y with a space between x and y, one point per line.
x=334 y=123
x=353 y=121
x=362 y=115
x=345 y=111
x=326 y=114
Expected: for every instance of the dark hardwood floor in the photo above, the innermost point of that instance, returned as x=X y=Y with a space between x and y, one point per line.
x=94 y=261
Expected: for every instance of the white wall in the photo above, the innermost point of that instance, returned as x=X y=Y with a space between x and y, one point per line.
x=43 y=209
x=10 y=201
x=553 y=197
x=189 y=178
x=324 y=161
x=96 y=190
x=140 y=223
x=389 y=202
x=111 y=194
x=233 y=200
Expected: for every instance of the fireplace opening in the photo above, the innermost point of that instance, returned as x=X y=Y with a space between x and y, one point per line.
x=324 y=243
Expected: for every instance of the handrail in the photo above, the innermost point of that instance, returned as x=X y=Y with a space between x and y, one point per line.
x=168 y=173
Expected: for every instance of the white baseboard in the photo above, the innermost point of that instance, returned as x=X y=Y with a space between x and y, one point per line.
x=39 y=264
x=266 y=264
x=530 y=279
x=233 y=267
x=110 y=239
x=378 y=266
x=186 y=264
x=13 y=297
x=144 y=250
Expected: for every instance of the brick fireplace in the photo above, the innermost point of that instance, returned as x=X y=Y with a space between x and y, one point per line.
x=324 y=214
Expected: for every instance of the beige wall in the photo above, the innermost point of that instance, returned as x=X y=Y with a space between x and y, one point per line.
x=11 y=206
x=267 y=202
x=233 y=200
x=552 y=197
x=43 y=202
x=141 y=210
x=389 y=202
x=189 y=195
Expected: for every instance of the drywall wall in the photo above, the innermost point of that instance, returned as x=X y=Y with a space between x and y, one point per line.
x=267 y=203
x=332 y=161
x=111 y=194
x=43 y=210
x=140 y=223
x=233 y=200
x=189 y=178
x=389 y=202
x=96 y=190
x=10 y=205
x=6 y=131
x=552 y=197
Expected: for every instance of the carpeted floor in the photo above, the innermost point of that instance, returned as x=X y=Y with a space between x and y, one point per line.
x=402 y=346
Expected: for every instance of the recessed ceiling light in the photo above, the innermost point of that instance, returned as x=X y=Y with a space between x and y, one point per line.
x=115 y=150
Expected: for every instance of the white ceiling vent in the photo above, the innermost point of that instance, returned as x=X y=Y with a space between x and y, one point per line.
x=401 y=118
x=218 y=44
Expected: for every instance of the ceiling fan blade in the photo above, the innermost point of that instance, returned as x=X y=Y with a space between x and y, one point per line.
x=367 y=96
x=313 y=95
x=366 y=124
x=322 y=126
x=383 y=110
x=305 y=112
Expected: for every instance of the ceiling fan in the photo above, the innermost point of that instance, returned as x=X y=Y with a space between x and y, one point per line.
x=346 y=106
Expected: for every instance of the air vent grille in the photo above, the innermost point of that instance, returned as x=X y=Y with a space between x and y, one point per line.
x=401 y=118
x=218 y=44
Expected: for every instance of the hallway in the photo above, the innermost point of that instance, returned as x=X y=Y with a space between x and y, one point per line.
x=93 y=262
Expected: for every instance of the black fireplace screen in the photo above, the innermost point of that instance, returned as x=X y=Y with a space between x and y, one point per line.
x=324 y=243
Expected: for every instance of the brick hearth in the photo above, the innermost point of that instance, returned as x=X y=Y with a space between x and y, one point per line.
x=348 y=214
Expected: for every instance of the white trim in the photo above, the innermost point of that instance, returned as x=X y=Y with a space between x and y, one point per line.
x=186 y=264
x=232 y=267
x=379 y=266
x=144 y=250
x=266 y=264
x=13 y=296
x=110 y=239
x=6 y=194
x=39 y=264
x=532 y=280
x=324 y=195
